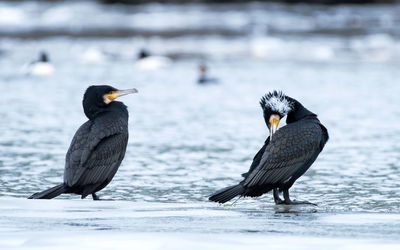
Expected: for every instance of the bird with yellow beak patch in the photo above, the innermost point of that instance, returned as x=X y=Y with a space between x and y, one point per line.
x=98 y=147
x=286 y=154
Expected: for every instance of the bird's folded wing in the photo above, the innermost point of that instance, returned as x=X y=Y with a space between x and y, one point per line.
x=103 y=162
x=74 y=154
x=283 y=158
x=86 y=141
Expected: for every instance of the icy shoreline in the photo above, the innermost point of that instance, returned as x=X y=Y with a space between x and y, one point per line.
x=123 y=240
x=83 y=224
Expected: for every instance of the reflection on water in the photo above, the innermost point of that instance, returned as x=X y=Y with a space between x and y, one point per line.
x=186 y=140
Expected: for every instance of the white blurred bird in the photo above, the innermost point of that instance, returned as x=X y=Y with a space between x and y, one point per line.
x=93 y=56
x=40 y=67
x=148 y=62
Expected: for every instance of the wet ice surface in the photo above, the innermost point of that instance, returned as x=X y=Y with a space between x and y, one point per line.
x=187 y=141
x=155 y=225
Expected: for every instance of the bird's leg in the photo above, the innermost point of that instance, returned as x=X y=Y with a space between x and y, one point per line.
x=277 y=199
x=294 y=202
x=95 y=197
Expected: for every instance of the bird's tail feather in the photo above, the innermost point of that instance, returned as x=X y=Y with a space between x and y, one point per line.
x=227 y=193
x=50 y=193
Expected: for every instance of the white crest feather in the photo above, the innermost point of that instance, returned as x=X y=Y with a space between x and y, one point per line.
x=277 y=102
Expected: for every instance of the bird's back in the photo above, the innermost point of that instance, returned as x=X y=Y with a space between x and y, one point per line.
x=291 y=149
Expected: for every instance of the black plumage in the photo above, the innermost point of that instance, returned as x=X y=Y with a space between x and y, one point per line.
x=284 y=157
x=98 y=147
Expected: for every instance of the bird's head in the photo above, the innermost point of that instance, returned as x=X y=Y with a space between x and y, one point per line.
x=275 y=106
x=43 y=57
x=98 y=97
x=202 y=68
x=143 y=53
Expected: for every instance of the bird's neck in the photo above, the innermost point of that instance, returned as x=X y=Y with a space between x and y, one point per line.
x=113 y=107
x=299 y=112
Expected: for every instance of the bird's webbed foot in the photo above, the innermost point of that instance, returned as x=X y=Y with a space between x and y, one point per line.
x=97 y=198
x=294 y=202
x=288 y=201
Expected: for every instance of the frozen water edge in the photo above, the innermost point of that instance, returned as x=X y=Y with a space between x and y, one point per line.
x=143 y=241
x=83 y=224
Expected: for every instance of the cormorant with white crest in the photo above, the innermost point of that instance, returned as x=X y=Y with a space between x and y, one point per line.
x=286 y=155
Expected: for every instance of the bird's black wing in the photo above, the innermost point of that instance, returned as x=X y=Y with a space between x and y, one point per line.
x=79 y=145
x=291 y=148
x=96 y=151
x=257 y=158
x=103 y=163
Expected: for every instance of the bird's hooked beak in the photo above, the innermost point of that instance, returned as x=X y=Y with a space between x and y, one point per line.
x=117 y=93
x=273 y=124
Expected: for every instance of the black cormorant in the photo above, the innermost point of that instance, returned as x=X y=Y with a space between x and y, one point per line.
x=286 y=154
x=98 y=147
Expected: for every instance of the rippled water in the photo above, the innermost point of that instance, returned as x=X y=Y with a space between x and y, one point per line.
x=187 y=140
